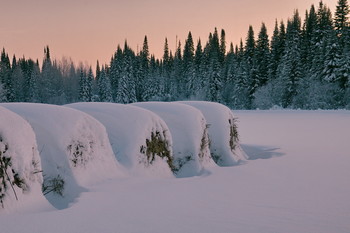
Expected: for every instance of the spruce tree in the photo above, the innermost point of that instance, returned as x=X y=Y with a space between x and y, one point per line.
x=104 y=87
x=189 y=76
x=222 y=53
x=341 y=19
x=289 y=70
x=83 y=84
x=262 y=57
x=5 y=76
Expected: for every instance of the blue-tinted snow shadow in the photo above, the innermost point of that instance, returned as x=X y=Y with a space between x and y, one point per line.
x=261 y=152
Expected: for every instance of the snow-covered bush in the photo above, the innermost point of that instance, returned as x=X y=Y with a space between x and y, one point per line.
x=140 y=139
x=223 y=132
x=74 y=149
x=20 y=167
x=189 y=132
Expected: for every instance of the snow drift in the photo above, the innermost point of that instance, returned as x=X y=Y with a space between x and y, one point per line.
x=189 y=132
x=140 y=139
x=74 y=150
x=20 y=166
x=223 y=134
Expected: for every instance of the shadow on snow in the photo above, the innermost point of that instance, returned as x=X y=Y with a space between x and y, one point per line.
x=261 y=152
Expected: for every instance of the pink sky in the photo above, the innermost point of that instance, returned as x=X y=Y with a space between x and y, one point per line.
x=87 y=30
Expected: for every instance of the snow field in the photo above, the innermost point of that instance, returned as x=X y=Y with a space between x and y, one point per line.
x=20 y=166
x=74 y=149
x=188 y=128
x=223 y=133
x=301 y=185
x=141 y=141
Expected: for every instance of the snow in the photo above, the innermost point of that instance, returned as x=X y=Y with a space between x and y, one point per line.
x=297 y=181
x=73 y=147
x=129 y=128
x=17 y=141
x=220 y=119
x=187 y=126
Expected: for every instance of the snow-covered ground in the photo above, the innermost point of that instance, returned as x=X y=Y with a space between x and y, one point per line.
x=301 y=185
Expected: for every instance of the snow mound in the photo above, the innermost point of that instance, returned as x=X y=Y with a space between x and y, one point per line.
x=140 y=139
x=74 y=150
x=224 y=147
x=188 y=128
x=20 y=166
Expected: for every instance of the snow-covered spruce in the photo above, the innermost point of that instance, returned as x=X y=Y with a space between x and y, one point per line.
x=188 y=128
x=74 y=150
x=223 y=134
x=140 y=139
x=20 y=166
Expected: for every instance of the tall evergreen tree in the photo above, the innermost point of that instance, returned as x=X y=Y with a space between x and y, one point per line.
x=5 y=76
x=189 y=76
x=222 y=46
x=290 y=67
x=262 y=57
x=83 y=90
x=104 y=87
x=341 y=19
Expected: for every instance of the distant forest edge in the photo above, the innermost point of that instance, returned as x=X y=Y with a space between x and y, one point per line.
x=304 y=65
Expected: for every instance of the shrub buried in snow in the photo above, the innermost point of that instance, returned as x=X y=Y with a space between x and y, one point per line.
x=140 y=139
x=189 y=132
x=223 y=132
x=74 y=149
x=20 y=168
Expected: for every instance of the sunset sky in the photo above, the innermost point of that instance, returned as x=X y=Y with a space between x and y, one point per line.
x=90 y=30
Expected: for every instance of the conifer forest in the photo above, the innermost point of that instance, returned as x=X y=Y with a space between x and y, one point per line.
x=304 y=64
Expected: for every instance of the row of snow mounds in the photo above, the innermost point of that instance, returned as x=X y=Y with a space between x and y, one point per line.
x=188 y=129
x=83 y=143
x=141 y=141
x=74 y=149
x=20 y=168
x=223 y=133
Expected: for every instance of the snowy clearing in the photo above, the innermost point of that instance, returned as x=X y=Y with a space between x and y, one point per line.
x=302 y=185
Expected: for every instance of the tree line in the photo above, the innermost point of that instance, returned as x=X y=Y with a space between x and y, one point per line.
x=305 y=64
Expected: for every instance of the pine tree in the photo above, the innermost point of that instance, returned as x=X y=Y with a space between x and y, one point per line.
x=104 y=87
x=262 y=56
x=115 y=73
x=83 y=84
x=289 y=70
x=46 y=84
x=166 y=68
x=341 y=19
x=222 y=53
x=189 y=76
x=250 y=69
x=5 y=76
x=275 y=55
x=127 y=84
